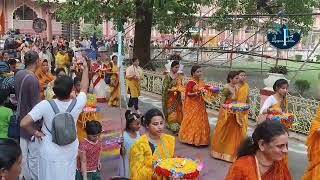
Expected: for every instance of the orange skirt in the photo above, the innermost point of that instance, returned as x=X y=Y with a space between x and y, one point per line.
x=195 y=127
x=227 y=136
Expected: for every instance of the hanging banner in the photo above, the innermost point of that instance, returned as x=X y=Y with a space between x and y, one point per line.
x=283 y=38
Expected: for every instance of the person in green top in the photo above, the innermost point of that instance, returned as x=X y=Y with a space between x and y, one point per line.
x=5 y=115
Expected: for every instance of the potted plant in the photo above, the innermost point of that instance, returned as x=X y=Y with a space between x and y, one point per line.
x=275 y=73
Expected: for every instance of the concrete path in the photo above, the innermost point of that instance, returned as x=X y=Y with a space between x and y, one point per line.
x=213 y=169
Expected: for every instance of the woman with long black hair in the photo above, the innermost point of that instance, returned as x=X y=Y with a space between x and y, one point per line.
x=261 y=157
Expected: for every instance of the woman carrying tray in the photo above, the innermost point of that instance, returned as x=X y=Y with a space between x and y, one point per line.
x=313 y=143
x=231 y=127
x=171 y=98
x=260 y=157
x=150 y=147
x=195 y=127
x=276 y=103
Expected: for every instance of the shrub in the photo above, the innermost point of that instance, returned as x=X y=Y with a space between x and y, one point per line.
x=302 y=85
x=298 y=57
x=279 y=70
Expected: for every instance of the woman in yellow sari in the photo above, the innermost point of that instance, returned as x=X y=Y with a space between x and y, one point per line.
x=114 y=83
x=243 y=95
x=260 y=157
x=231 y=128
x=44 y=77
x=150 y=147
x=195 y=127
x=134 y=75
x=313 y=143
x=276 y=103
x=171 y=98
x=243 y=92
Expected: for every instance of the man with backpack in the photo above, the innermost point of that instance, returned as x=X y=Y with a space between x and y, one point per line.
x=59 y=143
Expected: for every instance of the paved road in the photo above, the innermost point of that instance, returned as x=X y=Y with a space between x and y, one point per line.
x=214 y=169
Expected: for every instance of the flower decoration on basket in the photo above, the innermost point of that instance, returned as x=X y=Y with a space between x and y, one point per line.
x=209 y=92
x=90 y=111
x=286 y=119
x=236 y=106
x=178 y=167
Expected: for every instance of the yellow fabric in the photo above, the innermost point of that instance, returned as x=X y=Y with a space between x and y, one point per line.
x=281 y=106
x=243 y=93
x=195 y=127
x=313 y=143
x=49 y=91
x=243 y=96
x=114 y=86
x=44 y=78
x=141 y=157
x=229 y=132
x=61 y=60
x=133 y=85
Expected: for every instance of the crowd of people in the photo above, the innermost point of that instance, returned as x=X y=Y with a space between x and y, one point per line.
x=52 y=143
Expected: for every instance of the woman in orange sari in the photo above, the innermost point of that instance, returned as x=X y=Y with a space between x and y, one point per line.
x=231 y=128
x=195 y=127
x=260 y=157
x=171 y=98
x=44 y=77
x=114 y=83
x=313 y=143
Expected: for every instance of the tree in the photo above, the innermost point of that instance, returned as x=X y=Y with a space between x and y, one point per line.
x=176 y=16
x=89 y=29
x=221 y=20
x=167 y=16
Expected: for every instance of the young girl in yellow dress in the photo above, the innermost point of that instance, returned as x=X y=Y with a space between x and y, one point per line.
x=150 y=147
x=195 y=127
x=171 y=98
x=230 y=129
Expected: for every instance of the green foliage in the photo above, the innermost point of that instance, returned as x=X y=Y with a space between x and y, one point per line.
x=95 y=11
x=302 y=85
x=226 y=7
x=89 y=29
x=279 y=70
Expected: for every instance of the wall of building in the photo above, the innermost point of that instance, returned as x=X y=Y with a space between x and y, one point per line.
x=25 y=26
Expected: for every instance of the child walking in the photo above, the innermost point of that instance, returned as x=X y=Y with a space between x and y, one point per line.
x=130 y=135
x=89 y=166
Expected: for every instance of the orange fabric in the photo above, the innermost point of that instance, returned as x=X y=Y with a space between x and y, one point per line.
x=245 y=168
x=44 y=79
x=229 y=132
x=195 y=127
x=313 y=143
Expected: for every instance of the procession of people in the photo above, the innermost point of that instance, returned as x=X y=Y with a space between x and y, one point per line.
x=60 y=128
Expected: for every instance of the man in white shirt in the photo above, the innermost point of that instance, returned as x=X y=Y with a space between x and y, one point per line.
x=45 y=54
x=57 y=162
